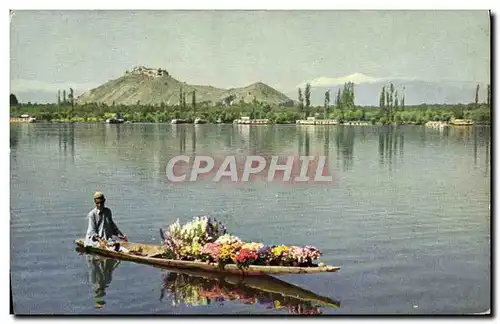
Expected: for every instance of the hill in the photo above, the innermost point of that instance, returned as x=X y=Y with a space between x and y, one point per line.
x=156 y=86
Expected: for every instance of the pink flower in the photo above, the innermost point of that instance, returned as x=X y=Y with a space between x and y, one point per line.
x=212 y=250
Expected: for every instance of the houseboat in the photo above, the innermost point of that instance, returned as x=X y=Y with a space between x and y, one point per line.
x=248 y=121
x=461 y=122
x=23 y=119
x=117 y=119
x=200 y=121
x=314 y=121
x=178 y=121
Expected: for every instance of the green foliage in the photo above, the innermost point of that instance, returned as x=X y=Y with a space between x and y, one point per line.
x=382 y=101
x=13 y=100
x=488 y=96
x=476 y=100
x=98 y=113
x=308 y=98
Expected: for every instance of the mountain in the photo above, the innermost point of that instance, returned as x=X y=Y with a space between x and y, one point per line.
x=367 y=90
x=156 y=86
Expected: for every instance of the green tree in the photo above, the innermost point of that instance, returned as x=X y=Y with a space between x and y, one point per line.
x=382 y=101
x=72 y=97
x=193 y=102
x=346 y=101
x=181 y=97
x=301 y=101
x=396 y=102
x=391 y=103
x=338 y=102
x=64 y=96
x=308 y=98
x=476 y=101
x=403 y=101
x=488 y=96
x=327 y=103
x=13 y=100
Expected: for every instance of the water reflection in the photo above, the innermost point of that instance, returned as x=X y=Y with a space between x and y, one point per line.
x=159 y=142
x=481 y=138
x=15 y=134
x=326 y=142
x=488 y=156
x=390 y=143
x=180 y=133
x=202 y=289
x=100 y=276
x=66 y=136
x=193 y=139
x=344 y=142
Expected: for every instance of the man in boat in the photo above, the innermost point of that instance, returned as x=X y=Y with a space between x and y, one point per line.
x=101 y=226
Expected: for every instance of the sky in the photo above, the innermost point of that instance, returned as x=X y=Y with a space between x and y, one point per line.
x=50 y=50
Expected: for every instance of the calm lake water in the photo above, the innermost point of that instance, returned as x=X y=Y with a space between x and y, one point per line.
x=407 y=217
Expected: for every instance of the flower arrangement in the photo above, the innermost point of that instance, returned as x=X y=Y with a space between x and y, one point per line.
x=265 y=254
x=279 y=254
x=212 y=251
x=205 y=239
x=252 y=246
x=245 y=257
x=228 y=239
x=303 y=255
x=185 y=242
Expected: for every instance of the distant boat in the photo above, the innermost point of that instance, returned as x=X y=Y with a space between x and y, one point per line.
x=461 y=122
x=178 y=121
x=246 y=120
x=115 y=120
x=23 y=119
x=200 y=121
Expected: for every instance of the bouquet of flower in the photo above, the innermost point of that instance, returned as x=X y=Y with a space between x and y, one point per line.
x=228 y=239
x=265 y=254
x=245 y=257
x=252 y=246
x=206 y=239
x=212 y=250
x=186 y=242
x=280 y=254
x=228 y=253
x=303 y=255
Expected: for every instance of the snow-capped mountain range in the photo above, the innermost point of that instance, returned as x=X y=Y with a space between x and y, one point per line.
x=367 y=90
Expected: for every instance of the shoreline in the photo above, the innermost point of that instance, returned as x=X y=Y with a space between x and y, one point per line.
x=244 y=125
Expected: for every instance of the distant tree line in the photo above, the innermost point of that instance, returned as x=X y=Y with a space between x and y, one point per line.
x=391 y=109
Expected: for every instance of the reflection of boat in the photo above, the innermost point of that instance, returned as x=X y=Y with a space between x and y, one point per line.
x=151 y=254
x=437 y=124
x=199 y=288
x=461 y=122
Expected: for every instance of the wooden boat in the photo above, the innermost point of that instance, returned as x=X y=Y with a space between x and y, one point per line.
x=150 y=254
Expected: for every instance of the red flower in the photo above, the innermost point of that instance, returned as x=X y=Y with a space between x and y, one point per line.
x=246 y=255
